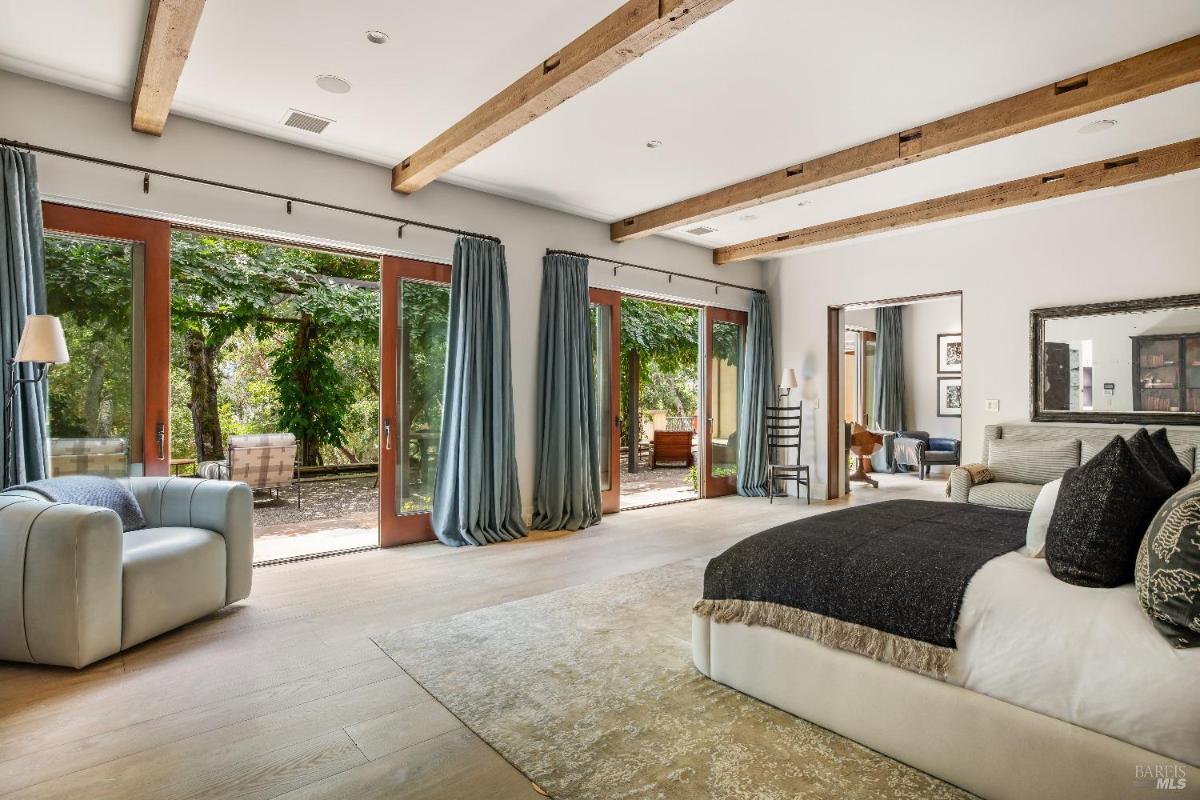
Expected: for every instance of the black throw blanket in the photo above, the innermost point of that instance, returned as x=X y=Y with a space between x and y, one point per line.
x=884 y=580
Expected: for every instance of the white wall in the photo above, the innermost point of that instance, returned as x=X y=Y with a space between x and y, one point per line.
x=54 y=116
x=1141 y=240
x=922 y=323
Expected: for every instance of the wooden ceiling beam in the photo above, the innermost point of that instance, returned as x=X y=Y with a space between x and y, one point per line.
x=1157 y=71
x=1118 y=171
x=635 y=28
x=170 y=28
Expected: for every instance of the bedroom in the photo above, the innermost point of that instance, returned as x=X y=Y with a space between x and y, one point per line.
x=559 y=656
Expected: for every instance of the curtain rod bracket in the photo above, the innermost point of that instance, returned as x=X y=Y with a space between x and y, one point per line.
x=400 y=231
x=289 y=206
x=145 y=183
x=615 y=270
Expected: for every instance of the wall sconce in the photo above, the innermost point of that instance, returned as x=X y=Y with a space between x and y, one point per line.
x=787 y=383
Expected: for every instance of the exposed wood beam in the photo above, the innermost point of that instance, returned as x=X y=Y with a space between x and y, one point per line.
x=635 y=28
x=1140 y=166
x=170 y=28
x=1141 y=76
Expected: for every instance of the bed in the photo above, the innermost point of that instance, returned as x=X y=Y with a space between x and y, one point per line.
x=1051 y=690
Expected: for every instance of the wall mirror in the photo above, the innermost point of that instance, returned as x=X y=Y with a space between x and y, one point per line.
x=1131 y=361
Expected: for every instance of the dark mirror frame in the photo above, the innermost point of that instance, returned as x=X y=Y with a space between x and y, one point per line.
x=1037 y=321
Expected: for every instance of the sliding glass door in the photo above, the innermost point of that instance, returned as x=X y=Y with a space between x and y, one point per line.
x=414 y=325
x=107 y=280
x=725 y=334
x=606 y=350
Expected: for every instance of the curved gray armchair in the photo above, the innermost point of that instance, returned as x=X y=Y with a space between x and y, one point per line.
x=74 y=589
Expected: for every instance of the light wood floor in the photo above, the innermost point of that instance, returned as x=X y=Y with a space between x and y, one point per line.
x=284 y=694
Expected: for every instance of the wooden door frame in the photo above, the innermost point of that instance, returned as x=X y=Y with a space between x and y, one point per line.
x=610 y=500
x=155 y=237
x=835 y=462
x=396 y=529
x=713 y=486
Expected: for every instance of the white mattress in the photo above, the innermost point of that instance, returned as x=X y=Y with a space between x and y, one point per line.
x=1085 y=656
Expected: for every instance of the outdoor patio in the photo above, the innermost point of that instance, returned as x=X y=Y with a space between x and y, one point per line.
x=336 y=514
x=648 y=487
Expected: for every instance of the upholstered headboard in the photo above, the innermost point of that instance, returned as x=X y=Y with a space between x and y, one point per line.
x=1186 y=441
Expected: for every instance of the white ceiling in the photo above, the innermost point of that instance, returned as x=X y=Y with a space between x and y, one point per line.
x=757 y=86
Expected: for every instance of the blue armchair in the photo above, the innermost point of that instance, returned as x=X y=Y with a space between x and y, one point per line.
x=917 y=450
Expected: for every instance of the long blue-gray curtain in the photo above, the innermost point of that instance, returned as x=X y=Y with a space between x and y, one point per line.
x=476 y=497
x=567 y=484
x=889 y=376
x=758 y=392
x=22 y=292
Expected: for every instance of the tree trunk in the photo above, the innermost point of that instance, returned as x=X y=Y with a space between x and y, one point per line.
x=306 y=336
x=632 y=412
x=92 y=398
x=202 y=381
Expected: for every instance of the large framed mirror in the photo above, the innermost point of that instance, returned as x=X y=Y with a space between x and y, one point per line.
x=1131 y=361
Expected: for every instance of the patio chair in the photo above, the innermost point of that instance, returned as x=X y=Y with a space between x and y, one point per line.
x=262 y=461
x=107 y=457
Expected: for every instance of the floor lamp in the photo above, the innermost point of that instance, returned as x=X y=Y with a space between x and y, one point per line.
x=42 y=344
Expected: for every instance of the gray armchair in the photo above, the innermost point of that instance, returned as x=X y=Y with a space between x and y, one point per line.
x=74 y=589
x=918 y=450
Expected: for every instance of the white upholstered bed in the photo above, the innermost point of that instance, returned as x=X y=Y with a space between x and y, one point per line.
x=1055 y=691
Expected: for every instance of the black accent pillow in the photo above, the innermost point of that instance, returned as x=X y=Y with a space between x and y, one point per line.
x=1148 y=454
x=1101 y=516
x=1177 y=473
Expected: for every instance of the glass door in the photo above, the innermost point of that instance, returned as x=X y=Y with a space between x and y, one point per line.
x=606 y=349
x=412 y=351
x=108 y=281
x=725 y=337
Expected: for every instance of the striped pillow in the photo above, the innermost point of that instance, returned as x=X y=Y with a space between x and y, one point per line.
x=1032 y=462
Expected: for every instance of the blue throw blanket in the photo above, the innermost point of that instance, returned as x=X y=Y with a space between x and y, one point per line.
x=89 y=490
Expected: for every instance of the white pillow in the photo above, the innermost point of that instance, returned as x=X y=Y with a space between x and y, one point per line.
x=1039 y=520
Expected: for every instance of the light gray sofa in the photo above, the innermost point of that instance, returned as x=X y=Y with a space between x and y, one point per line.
x=74 y=589
x=1017 y=486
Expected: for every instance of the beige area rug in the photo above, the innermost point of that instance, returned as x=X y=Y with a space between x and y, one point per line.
x=591 y=693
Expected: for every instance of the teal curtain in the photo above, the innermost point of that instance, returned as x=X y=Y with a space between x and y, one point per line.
x=476 y=497
x=22 y=292
x=889 y=378
x=567 y=486
x=758 y=392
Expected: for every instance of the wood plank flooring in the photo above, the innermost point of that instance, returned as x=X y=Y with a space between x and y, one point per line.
x=284 y=694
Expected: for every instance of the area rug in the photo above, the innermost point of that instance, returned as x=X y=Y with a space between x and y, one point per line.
x=591 y=693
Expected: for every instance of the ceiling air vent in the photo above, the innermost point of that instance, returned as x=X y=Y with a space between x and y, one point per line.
x=305 y=121
x=700 y=230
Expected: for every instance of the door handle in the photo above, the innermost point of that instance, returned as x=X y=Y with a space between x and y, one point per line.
x=160 y=436
x=387 y=434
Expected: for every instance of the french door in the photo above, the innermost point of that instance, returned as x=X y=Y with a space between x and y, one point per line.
x=606 y=365
x=414 y=318
x=725 y=345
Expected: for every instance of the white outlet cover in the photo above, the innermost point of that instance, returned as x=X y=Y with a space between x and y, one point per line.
x=993 y=405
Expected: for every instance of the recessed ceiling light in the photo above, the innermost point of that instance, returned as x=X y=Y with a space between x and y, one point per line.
x=377 y=37
x=332 y=83
x=1098 y=126
x=654 y=144
x=803 y=202
x=748 y=217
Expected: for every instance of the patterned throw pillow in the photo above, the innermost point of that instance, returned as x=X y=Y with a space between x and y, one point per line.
x=1168 y=568
x=1102 y=513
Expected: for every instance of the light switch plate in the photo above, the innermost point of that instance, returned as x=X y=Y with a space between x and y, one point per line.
x=993 y=405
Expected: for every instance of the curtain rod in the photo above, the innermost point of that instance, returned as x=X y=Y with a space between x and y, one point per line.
x=147 y=171
x=668 y=272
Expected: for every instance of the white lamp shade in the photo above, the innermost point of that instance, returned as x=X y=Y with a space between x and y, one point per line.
x=788 y=381
x=42 y=341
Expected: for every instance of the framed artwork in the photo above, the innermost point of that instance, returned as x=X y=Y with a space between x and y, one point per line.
x=950 y=352
x=949 y=396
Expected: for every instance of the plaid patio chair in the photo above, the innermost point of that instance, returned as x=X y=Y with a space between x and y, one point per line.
x=107 y=457
x=262 y=461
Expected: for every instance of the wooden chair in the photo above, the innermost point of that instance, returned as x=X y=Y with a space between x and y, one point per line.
x=783 y=424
